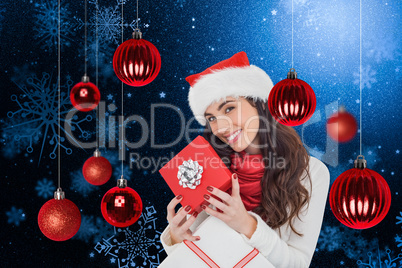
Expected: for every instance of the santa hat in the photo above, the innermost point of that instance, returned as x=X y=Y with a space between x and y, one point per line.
x=233 y=77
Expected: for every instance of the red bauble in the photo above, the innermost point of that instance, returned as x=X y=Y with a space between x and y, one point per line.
x=342 y=126
x=97 y=170
x=59 y=220
x=292 y=101
x=360 y=198
x=85 y=96
x=137 y=62
x=121 y=207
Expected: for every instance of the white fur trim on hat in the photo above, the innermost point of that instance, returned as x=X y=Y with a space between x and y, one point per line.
x=250 y=81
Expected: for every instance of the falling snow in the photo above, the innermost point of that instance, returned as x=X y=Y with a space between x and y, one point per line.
x=341 y=238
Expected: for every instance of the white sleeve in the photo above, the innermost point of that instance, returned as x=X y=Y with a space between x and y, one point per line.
x=297 y=251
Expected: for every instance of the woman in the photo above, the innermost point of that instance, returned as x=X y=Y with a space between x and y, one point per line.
x=278 y=193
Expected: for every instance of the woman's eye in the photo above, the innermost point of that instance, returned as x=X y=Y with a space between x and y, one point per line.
x=211 y=119
x=229 y=109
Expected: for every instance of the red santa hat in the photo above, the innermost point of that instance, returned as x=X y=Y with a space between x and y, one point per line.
x=233 y=77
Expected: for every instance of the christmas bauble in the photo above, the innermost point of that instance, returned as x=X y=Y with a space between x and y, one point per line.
x=292 y=101
x=85 y=96
x=59 y=220
x=360 y=198
x=136 y=62
x=121 y=207
x=342 y=126
x=97 y=170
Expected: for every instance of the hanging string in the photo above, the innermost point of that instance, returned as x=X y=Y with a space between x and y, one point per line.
x=58 y=87
x=360 y=82
x=86 y=38
x=292 y=33
x=97 y=68
x=137 y=14
x=122 y=96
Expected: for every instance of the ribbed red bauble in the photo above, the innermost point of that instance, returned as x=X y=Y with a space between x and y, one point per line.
x=85 y=96
x=121 y=206
x=59 y=219
x=342 y=126
x=97 y=170
x=292 y=101
x=137 y=62
x=360 y=198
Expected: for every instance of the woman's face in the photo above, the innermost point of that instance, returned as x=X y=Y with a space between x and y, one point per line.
x=235 y=122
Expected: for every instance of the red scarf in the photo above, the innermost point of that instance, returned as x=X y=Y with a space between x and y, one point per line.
x=249 y=169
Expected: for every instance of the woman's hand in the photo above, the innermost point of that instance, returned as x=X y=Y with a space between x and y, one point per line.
x=178 y=222
x=234 y=214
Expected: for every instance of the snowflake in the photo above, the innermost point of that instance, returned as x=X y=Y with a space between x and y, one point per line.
x=399 y=218
x=15 y=216
x=93 y=229
x=389 y=261
x=79 y=184
x=108 y=21
x=16 y=139
x=139 y=247
x=46 y=25
x=368 y=77
x=45 y=188
x=385 y=48
x=37 y=115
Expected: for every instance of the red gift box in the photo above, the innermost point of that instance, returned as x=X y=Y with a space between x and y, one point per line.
x=192 y=170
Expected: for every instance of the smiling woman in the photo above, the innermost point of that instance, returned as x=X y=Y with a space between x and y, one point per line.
x=277 y=208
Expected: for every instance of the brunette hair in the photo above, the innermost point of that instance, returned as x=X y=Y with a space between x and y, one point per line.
x=283 y=194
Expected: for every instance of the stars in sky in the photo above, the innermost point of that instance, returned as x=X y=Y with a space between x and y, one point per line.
x=162 y=95
x=110 y=97
x=397 y=151
x=273 y=12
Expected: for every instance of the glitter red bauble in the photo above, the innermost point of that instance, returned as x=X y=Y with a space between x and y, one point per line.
x=342 y=126
x=59 y=220
x=360 y=198
x=85 y=96
x=121 y=207
x=97 y=170
x=292 y=102
x=136 y=62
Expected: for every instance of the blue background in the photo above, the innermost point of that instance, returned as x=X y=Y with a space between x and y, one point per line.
x=191 y=36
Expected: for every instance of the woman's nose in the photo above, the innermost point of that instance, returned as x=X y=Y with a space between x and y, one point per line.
x=223 y=124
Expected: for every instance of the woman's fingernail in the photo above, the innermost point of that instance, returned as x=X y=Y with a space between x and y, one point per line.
x=206 y=196
x=195 y=214
x=203 y=206
x=188 y=208
x=179 y=197
x=235 y=176
x=197 y=239
x=210 y=189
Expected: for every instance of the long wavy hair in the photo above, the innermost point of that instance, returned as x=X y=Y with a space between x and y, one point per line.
x=283 y=194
